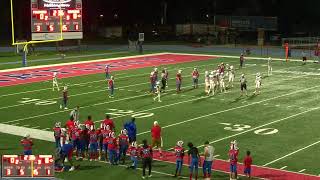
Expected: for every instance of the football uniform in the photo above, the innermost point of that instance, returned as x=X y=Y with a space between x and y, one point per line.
x=233 y=158
x=222 y=84
x=112 y=150
x=123 y=141
x=231 y=76
x=208 y=160
x=134 y=152
x=93 y=144
x=57 y=136
x=195 y=78
x=111 y=87
x=269 y=67
x=207 y=82
x=179 y=153
x=27 y=146
x=213 y=83
x=55 y=82
x=157 y=93
x=178 y=82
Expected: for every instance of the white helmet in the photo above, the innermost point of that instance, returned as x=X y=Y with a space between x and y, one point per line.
x=231 y=67
x=206 y=73
x=134 y=144
x=155 y=123
x=242 y=75
x=27 y=136
x=106 y=127
x=124 y=131
x=269 y=58
x=194 y=69
x=111 y=134
x=212 y=73
x=151 y=74
x=180 y=143
x=65 y=87
x=57 y=124
x=258 y=74
x=155 y=69
x=55 y=74
x=180 y=71
x=158 y=83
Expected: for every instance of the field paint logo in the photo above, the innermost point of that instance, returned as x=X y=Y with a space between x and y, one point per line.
x=37 y=102
x=242 y=127
x=119 y=112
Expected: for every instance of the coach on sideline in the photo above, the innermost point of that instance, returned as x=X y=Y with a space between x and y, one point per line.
x=156 y=137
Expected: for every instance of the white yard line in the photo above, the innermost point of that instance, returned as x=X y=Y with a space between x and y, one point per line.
x=294 y=152
x=302 y=170
x=234 y=108
x=283 y=167
x=35 y=127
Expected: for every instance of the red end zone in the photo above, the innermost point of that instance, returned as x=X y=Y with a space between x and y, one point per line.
x=31 y=75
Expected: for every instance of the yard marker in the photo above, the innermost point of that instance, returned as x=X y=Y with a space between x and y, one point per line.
x=258 y=127
x=294 y=152
x=283 y=167
x=301 y=170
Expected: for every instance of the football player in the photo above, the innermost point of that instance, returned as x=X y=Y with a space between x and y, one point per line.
x=107 y=71
x=222 y=84
x=111 y=86
x=123 y=140
x=134 y=153
x=231 y=76
x=93 y=144
x=105 y=135
x=243 y=85
x=179 y=152
x=157 y=92
x=112 y=148
x=269 y=66
x=233 y=159
x=258 y=84
x=27 y=144
x=64 y=98
x=55 y=81
x=206 y=81
x=178 y=81
x=195 y=78
x=57 y=134
x=213 y=82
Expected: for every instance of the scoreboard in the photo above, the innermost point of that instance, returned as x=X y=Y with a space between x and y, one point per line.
x=45 y=19
x=21 y=166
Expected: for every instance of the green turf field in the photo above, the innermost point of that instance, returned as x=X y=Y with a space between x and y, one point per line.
x=279 y=126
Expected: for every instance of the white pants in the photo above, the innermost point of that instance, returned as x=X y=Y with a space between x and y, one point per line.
x=269 y=70
x=55 y=85
x=258 y=85
x=212 y=87
x=231 y=77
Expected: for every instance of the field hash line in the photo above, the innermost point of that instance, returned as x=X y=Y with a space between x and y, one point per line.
x=294 y=152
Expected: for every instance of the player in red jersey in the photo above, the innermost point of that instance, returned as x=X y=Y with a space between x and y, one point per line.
x=100 y=141
x=87 y=123
x=70 y=124
x=81 y=142
x=93 y=144
x=178 y=81
x=112 y=148
x=108 y=121
x=123 y=141
x=247 y=165
x=134 y=153
x=27 y=144
x=64 y=98
x=156 y=137
x=57 y=134
x=105 y=135
x=195 y=78
x=233 y=158
x=179 y=152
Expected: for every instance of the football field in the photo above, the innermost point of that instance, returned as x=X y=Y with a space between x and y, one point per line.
x=279 y=126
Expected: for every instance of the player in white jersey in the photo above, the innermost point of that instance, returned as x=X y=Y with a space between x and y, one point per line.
x=258 y=84
x=213 y=81
x=269 y=66
x=55 y=81
x=206 y=81
x=208 y=160
x=222 y=84
x=231 y=76
x=157 y=92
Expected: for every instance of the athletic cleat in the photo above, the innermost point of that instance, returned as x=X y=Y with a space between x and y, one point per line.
x=72 y=168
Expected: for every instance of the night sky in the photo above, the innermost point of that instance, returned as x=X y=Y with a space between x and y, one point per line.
x=293 y=16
